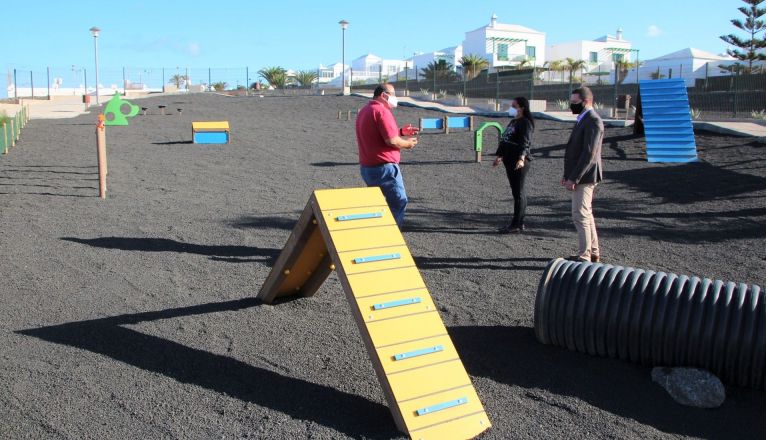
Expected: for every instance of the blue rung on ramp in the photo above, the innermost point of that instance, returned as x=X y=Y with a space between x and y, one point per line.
x=667 y=121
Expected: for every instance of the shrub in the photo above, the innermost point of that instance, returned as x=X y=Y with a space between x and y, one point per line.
x=695 y=113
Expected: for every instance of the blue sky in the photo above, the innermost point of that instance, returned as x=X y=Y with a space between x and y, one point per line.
x=301 y=34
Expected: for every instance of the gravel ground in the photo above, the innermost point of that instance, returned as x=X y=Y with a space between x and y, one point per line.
x=134 y=317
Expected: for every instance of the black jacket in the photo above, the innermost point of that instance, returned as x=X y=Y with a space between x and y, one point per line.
x=516 y=140
x=582 y=158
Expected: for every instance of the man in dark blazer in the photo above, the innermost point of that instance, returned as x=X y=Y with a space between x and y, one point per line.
x=583 y=171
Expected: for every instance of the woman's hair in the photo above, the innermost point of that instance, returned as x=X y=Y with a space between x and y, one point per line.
x=526 y=113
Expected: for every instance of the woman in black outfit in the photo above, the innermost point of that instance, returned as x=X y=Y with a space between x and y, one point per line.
x=513 y=152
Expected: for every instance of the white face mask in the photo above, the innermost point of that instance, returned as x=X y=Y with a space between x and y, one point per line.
x=512 y=112
x=393 y=101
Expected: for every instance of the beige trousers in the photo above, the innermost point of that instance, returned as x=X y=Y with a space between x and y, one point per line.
x=582 y=216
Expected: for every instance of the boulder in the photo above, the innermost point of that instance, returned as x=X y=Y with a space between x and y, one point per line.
x=691 y=386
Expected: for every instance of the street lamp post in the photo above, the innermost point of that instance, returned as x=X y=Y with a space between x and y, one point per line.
x=343 y=25
x=95 y=31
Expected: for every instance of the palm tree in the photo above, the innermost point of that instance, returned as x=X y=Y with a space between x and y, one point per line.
x=554 y=66
x=472 y=65
x=305 y=77
x=572 y=65
x=623 y=67
x=275 y=76
x=440 y=70
x=177 y=80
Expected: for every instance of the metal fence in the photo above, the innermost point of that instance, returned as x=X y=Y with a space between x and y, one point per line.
x=715 y=92
x=28 y=82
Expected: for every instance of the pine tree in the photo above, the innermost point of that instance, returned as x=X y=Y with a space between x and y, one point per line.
x=752 y=25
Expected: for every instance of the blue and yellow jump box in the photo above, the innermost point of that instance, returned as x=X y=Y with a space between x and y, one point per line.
x=210 y=132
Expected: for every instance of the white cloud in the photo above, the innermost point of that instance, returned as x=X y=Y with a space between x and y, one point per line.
x=193 y=49
x=653 y=31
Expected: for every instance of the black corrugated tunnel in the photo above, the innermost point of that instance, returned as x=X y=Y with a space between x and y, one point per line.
x=655 y=318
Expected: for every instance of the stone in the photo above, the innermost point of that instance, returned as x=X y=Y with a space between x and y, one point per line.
x=691 y=386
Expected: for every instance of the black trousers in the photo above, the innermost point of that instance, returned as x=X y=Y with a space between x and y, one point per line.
x=516 y=178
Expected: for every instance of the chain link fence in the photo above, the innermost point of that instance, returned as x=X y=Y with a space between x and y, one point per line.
x=716 y=92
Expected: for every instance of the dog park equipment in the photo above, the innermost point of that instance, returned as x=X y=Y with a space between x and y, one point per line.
x=353 y=232
x=210 y=132
x=667 y=122
x=101 y=155
x=654 y=318
x=447 y=123
x=12 y=128
x=478 y=136
x=433 y=124
x=458 y=122
x=114 y=109
x=348 y=114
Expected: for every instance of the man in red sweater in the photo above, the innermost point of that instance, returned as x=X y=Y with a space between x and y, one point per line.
x=380 y=142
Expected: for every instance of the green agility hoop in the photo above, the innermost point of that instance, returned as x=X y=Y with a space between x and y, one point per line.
x=114 y=107
x=478 y=136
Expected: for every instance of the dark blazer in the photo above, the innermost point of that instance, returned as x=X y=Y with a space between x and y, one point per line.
x=582 y=159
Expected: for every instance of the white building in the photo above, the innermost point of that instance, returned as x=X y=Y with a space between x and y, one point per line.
x=451 y=55
x=600 y=55
x=689 y=63
x=371 y=68
x=327 y=74
x=506 y=45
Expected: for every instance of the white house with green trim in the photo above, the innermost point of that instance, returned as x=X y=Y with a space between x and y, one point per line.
x=506 y=45
x=600 y=55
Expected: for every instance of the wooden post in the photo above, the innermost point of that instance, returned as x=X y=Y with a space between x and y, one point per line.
x=5 y=138
x=348 y=115
x=470 y=123
x=339 y=113
x=13 y=133
x=420 y=124
x=101 y=153
x=445 y=122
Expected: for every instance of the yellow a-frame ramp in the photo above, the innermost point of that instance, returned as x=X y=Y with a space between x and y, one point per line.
x=353 y=231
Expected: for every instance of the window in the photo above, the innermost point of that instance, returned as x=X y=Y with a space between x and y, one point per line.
x=502 y=52
x=593 y=57
x=531 y=52
x=618 y=57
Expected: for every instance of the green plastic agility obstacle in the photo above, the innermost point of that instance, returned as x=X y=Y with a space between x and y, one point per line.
x=478 y=136
x=114 y=107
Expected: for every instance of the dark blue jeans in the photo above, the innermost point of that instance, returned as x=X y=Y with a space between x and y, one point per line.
x=389 y=178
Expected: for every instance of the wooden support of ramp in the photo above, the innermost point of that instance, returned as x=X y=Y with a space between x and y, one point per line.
x=353 y=232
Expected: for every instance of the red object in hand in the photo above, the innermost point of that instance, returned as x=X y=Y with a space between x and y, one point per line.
x=409 y=130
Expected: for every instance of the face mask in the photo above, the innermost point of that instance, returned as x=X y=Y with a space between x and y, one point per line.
x=512 y=112
x=577 y=108
x=392 y=101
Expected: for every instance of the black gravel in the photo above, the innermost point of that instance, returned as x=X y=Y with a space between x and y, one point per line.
x=134 y=316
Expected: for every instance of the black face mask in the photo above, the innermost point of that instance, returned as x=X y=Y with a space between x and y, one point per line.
x=577 y=108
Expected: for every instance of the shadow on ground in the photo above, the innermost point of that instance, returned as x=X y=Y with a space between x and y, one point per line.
x=168 y=245
x=350 y=414
x=512 y=356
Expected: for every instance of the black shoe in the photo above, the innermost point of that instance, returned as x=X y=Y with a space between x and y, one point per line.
x=510 y=229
